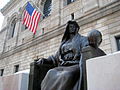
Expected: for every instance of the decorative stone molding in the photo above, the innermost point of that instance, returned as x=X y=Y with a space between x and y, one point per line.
x=3 y=29
x=9 y=5
x=37 y=2
x=99 y=13
x=40 y=3
x=13 y=16
x=21 y=10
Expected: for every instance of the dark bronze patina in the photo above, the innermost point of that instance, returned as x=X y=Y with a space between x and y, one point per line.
x=95 y=39
x=68 y=64
x=66 y=75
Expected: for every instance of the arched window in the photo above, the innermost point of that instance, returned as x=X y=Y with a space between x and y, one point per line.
x=47 y=8
x=12 y=28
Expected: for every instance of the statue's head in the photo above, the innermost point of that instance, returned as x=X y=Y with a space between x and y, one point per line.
x=94 y=38
x=72 y=27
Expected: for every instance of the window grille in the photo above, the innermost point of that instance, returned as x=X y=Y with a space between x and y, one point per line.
x=47 y=8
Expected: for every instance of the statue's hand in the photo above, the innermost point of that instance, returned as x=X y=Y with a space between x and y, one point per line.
x=41 y=61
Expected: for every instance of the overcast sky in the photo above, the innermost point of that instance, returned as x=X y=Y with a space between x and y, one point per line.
x=2 y=4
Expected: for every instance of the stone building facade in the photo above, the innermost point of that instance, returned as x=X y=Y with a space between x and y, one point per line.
x=19 y=47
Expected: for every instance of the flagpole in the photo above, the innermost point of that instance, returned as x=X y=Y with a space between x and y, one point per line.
x=39 y=10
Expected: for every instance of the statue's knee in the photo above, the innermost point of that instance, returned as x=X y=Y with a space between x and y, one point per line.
x=67 y=74
x=51 y=72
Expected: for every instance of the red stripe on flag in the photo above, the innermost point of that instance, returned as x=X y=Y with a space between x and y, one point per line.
x=24 y=17
x=31 y=21
x=36 y=22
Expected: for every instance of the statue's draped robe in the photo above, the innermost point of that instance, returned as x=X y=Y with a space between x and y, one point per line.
x=65 y=77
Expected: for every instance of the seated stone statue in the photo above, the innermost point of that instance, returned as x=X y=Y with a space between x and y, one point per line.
x=65 y=75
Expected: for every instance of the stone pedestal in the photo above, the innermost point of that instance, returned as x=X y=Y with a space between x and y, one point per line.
x=14 y=82
x=103 y=72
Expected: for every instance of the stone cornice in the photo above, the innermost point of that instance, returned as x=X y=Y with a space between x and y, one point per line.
x=99 y=13
x=3 y=29
x=8 y=6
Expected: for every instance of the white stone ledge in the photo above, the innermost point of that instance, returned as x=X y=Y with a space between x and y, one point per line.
x=103 y=73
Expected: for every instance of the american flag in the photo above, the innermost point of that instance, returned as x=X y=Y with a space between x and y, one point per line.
x=31 y=18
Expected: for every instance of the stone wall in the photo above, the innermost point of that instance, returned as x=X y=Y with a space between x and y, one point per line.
x=25 y=55
x=24 y=47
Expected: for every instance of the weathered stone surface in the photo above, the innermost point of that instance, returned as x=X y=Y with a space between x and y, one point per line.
x=14 y=82
x=103 y=72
